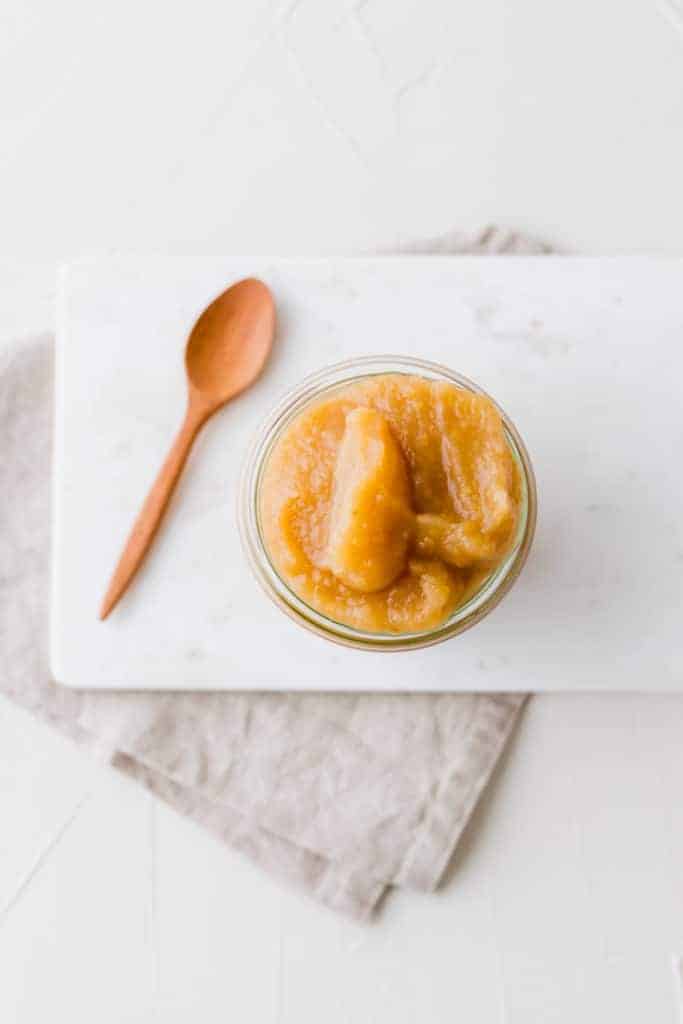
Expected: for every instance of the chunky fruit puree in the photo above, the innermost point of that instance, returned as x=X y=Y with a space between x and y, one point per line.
x=387 y=503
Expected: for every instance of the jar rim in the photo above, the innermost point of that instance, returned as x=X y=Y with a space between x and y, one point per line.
x=312 y=388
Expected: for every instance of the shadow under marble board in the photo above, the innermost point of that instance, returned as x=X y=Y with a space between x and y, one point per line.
x=586 y=357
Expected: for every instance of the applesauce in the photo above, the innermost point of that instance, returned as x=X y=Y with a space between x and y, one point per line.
x=386 y=503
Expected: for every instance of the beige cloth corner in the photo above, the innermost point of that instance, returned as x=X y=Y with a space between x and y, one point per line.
x=344 y=794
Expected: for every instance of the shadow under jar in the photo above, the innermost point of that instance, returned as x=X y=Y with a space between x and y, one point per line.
x=327 y=384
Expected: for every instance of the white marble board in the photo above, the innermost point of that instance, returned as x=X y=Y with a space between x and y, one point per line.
x=585 y=355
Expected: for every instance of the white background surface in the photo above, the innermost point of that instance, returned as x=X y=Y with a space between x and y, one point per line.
x=309 y=127
x=548 y=337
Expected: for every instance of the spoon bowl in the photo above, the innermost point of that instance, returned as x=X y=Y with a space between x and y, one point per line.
x=230 y=342
x=225 y=353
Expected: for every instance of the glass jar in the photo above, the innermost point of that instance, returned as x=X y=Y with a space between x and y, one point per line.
x=323 y=384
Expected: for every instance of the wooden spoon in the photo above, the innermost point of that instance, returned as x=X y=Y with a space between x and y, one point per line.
x=226 y=351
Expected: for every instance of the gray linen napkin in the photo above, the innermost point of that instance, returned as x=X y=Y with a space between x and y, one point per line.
x=344 y=794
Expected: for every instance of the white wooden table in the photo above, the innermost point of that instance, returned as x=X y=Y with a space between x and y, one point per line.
x=311 y=127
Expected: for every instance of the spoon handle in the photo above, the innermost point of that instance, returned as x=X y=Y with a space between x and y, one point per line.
x=150 y=515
